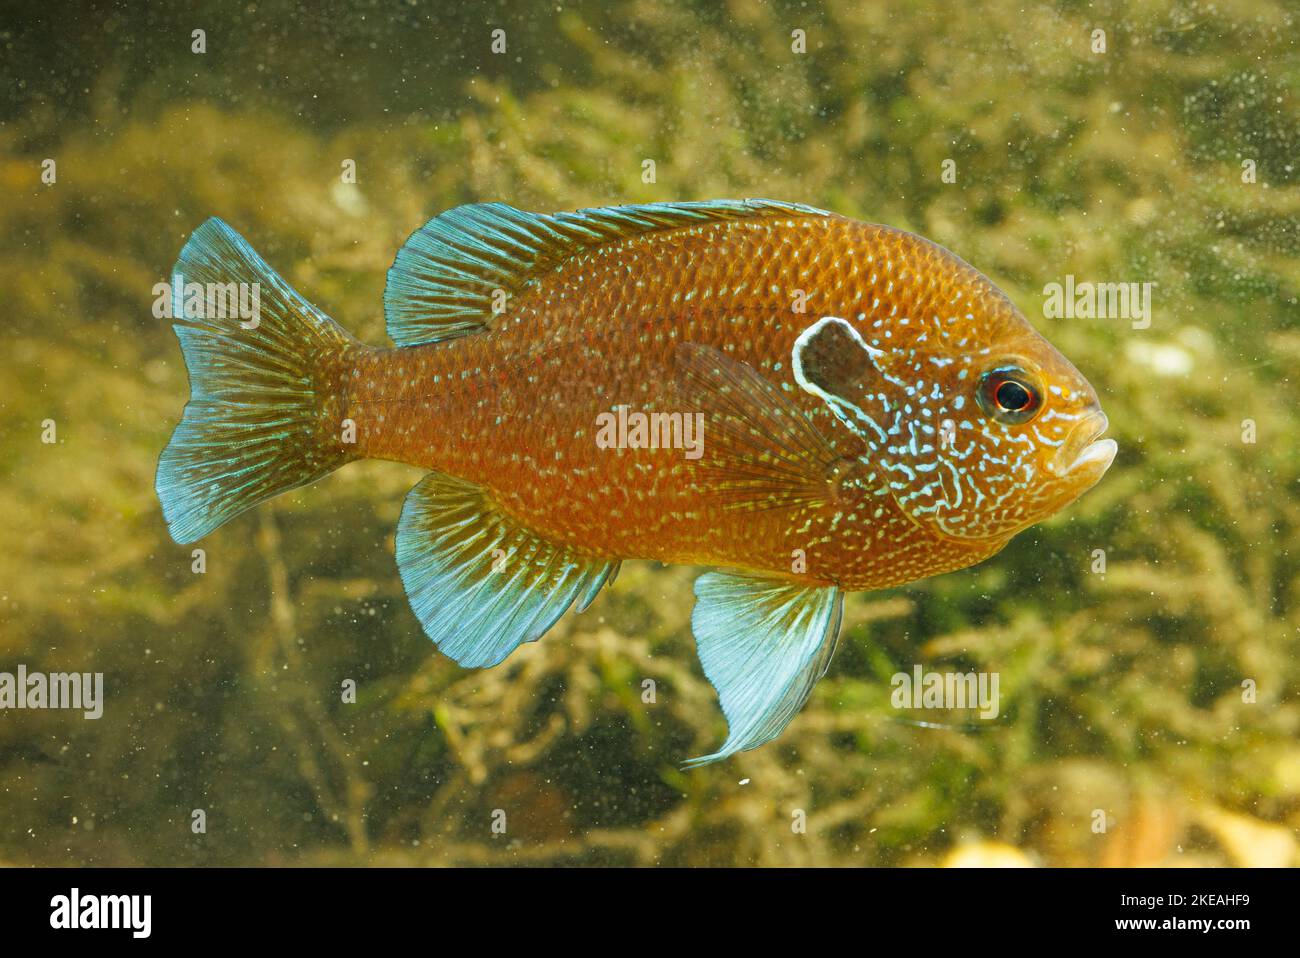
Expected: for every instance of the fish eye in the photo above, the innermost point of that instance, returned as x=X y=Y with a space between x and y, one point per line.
x=1010 y=394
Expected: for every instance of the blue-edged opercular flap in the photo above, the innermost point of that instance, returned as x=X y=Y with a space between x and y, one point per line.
x=480 y=584
x=443 y=282
x=763 y=643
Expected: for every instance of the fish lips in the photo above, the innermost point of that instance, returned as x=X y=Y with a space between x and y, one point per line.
x=1085 y=455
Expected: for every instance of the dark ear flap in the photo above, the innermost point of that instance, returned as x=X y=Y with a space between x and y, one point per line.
x=829 y=358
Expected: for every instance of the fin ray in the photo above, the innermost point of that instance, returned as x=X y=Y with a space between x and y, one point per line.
x=763 y=450
x=442 y=282
x=260 y=419
x=763 y=644
x=480 y=584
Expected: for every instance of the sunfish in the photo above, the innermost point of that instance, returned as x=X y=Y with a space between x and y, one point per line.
x=809 y=404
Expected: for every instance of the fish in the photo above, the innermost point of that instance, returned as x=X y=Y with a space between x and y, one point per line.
x=806 y=404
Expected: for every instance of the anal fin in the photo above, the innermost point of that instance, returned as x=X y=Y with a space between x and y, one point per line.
x=763 y=644
x=481 y=584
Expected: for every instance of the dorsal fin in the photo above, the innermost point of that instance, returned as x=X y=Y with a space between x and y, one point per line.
x=442 y=283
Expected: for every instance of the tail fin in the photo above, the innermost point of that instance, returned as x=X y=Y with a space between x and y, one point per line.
x=266 y=386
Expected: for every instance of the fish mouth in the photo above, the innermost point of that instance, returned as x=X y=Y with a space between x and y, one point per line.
x=1084 y=450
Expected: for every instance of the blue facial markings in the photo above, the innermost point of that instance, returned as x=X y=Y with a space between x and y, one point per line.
x=910 y=396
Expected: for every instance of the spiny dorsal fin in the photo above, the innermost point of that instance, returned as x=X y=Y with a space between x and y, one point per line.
x=442 y=283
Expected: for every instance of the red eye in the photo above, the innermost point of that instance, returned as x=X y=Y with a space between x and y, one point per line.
x=1010 y=395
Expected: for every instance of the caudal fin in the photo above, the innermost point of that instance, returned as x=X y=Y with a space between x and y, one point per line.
x=266 y=398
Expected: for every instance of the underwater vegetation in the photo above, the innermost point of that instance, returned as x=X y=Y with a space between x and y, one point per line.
x=1146 y=638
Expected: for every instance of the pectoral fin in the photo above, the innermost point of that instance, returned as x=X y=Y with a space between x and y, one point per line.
x=760 y=449
x=763 y=643
x=480 y=584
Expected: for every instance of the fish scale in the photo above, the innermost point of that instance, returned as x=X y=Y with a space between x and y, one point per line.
x=595 y=333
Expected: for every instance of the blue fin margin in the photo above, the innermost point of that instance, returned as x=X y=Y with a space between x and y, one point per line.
x=763 y=643
x=480 y=584
x=442 y=283
x=257 y=422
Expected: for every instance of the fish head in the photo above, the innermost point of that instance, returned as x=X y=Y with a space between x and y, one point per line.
x=1030 y=442
x=977 y=427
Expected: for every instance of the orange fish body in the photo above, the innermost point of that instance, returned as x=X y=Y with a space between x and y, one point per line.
x=817 y=404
